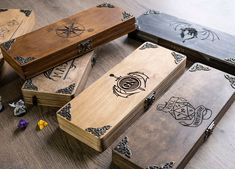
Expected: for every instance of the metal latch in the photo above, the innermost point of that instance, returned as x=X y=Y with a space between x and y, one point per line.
x=84 y=46
x=149 y=101
x=209 y=131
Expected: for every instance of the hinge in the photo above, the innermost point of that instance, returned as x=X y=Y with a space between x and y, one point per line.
x=149 y=101
x=209 y=130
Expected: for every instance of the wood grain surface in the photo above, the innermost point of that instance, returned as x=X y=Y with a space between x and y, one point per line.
x=174 y=127
x=53 y=148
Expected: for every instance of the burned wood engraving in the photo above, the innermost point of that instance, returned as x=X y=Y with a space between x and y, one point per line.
x=29 y=85
x=231 y=80
x=178 y=57
x=65 y=112
x=132 y=83
x=70 y=31
x=123 y=147
x=198 y=67
x=185 y=112
x=98 y=131
x=24 y=60
x=148 y=45
x=188 y=32
x=67 y=90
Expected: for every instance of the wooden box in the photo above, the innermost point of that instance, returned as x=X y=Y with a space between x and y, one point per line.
x=13 y=23
x=106 y=108
x=66 y=39
x=169 y=134
x=59 y=85
x=199 y=43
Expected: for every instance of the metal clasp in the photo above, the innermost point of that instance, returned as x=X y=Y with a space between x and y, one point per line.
x=149 y=101
x=84 y=46
x=209 y=131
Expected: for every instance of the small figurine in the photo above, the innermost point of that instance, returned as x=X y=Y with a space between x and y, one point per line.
x=20 y=108
x=42 y=124
x=22 y=124
x=1 y=106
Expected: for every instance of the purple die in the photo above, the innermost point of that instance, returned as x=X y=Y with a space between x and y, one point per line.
x=22 y=124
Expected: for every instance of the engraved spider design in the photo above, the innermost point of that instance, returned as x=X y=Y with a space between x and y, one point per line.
x=188 y=32
x=70 y=31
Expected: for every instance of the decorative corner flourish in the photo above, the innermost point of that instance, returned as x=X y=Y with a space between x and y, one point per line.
x=24 y=60
x=230 y=60
x=98 y=131
x=126 y=16
x=29 y=85
x=7 y=45
x=67 y=90
x=178 y=57
x=199 y=67
x=65 y=112
x=151 y=12
x=148 y=45
x=123 y=147
x=27 y=12
x=167 y=165
x=105 y=5
x=231 y=80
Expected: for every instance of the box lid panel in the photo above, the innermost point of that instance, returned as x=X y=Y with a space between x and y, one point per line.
x=177 y=123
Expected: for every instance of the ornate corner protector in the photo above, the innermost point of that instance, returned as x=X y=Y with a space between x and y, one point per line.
x=29 y=85
x=123 y=147
x=105 y=5
x=67 y=90
x=151 y=12
x=24 y=60
x=230 y=60
x=7 y=45
x=167 y=165
x=126 y=16
x=85 y=46
x=98 y=131
x=3 y=10
x=178 y=57
x=231 y=80
x=65 y=112
x=148 y=45
x=27 y=12
x=198 y=67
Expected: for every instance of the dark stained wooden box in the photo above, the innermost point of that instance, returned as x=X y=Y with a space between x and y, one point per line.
x=14 y=23
x=99 y=114
x=199 y=43
x=59 y=85
x=179 y=122
x=66 y=39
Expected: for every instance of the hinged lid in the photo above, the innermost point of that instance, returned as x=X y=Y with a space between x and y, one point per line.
x=171 y=131
x=58 y=85
x=66 y=39
x=14 y=23
x=198 y=42
x=107 y=107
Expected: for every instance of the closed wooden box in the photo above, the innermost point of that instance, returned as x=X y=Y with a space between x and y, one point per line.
x=14 y=23
x=66 y=39
x=59 y=85
x=199 y=43
x=106 y=108
x=169 y=134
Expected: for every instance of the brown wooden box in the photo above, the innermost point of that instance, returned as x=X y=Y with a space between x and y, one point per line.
x=13 y=23
x=59 y=85
x=179 y=122
x=66 y=39
x=106 y=108
x=199 y=43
